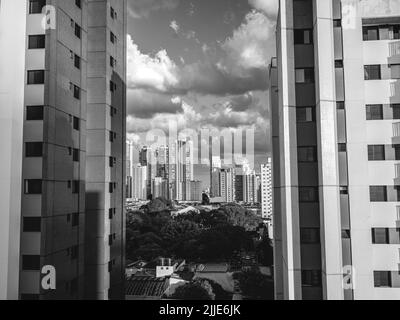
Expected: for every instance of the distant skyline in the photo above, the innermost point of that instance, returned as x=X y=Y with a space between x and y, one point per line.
x=200 y=63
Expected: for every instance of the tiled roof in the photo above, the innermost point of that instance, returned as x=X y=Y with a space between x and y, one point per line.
x=144 y=286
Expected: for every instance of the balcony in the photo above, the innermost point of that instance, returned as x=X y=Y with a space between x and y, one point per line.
x=396 y=133
x=398 y=217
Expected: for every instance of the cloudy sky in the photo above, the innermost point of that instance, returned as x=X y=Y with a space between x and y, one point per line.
x=200 y=63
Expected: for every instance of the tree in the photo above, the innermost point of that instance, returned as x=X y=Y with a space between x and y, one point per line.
x=255 y=286
x=265 y=252
x=192 y=292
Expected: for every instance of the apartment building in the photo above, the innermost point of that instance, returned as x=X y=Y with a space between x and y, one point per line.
x=335 y=91
x=72 y=183
x=266 y=189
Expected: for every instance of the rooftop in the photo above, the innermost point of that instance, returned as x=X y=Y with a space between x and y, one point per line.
x=146 y=286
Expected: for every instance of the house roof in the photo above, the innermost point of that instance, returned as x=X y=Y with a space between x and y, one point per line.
x=146 y=286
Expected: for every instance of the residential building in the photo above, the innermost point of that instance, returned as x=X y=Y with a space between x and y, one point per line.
x=70 y=103
x=266 y=189
x=335 y=95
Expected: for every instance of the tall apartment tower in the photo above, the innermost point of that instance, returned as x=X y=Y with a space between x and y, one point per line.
x=335 y=91
x=266 y=189
x=72 y=184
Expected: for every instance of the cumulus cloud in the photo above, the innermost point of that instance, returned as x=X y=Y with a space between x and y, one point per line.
x=240 y=64
x=155 y=73
x=175 y=26
x=269 y=7
x=144 y=104
x=143 y=8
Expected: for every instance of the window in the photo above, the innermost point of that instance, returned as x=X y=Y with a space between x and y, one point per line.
x=112 y=136
x=337 y=23
x=376 y=153
x=113 y=13
x=382 y=279
x=30 y=263
x=307 y=154
x=378 y=193
x=311 y=278
x=75 y=187
x=76 y=124
x=78 y=31
x=375 y=112
x=113 y=62
x=78 y=3
x=338 y=64
x=113 y=162
x=308 y=194
x=340 y=105
x=113 y=86
x=76 y=155
x=303 y=36
x=111 y=213
x=36 y=6
x=380 y=236
x=342 y=147
x=32 y=224
x=381 y=32
x=37 y=42
x=77 y=91
x=75 y=219
x=77 y=61
x=310 y=235
x=34 y=149
x=113 y=39
x=111 y=187
x=344 y=190
x=33 y=186
x=305 y=114
x=34 y=113
x=36 y=77
x=305 y=75
x=396 y=111
x=346 y=234
x=372 y=72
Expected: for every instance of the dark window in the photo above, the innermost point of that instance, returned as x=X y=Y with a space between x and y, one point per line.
x=36 y=77
x=36 y=6
x=303 y=36
x=376 y=153
x=371 y=33
x=346 y=234
x=308 y=194
x=37 y=42
x=76 y=155
x=112 y=62
x=306 y=114
x=396 y=148
x=375 y=112
x=342 y=147
x=338 y=64
x=337 y=23
x=113 y=161
x=77 y=92
x=75 y=187
x=311 y=278
x=77 y=61
x=32 y=224
x=30 y=263
x=305 y=75
x=340 y=105
x=113 y=86
x=33 y=186
x=34 y=149
x=76 y=124
x=78 y=31
x=111 y=187
x=396 y=111
x=78 y=3
x=378 y=193
x=34 y=113
x=307 y=154
x=310 y=235
x=382 y=279
x=372 y=72
x=113 y=39
x=75 y=219
x=380 y=236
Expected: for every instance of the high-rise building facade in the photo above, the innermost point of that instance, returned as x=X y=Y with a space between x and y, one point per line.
x=73 y=162
x=335 y=95
x=266 y=189
x=139 y=183
x=228 y=182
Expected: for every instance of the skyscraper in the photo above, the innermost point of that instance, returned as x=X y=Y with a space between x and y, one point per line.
x=266 y=189
x=335 y=95
x=139 y=183
x=228 y=192
x=71 y=103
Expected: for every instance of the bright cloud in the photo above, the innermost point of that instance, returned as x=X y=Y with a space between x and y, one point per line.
x=269 y=7
x=175 y=26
